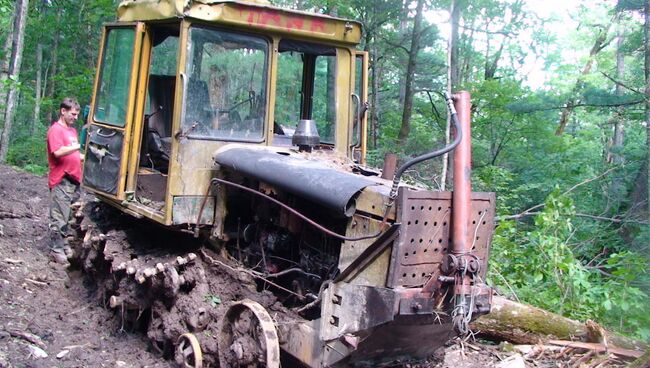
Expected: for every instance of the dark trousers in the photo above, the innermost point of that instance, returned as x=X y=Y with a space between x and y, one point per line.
x=61 y=197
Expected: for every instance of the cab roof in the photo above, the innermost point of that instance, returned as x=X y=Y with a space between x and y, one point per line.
x=253 y=15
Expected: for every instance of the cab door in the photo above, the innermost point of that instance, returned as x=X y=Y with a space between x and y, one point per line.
x=111 y=118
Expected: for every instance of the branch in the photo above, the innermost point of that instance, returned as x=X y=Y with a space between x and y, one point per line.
x=635 y=102
x=528 y=211
x=396 y=45
x=622 y=84
x=600 y=218
x=503 y=33
x=590 y=180
x=612 y=219
x=435 y=111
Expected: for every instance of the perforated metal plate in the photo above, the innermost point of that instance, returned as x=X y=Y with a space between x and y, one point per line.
x=424 y=239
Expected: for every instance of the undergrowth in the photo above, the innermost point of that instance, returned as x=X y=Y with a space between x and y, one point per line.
x=540 y=265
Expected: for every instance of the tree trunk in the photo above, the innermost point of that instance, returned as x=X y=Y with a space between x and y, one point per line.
x=403 y=31
x=617 y=188
x=524 y=324
x=4 y=68
x=410 y=74
x=54 y=64
x=599 y=44
x=16 y=60
x=37 y=93
x=452 y=84
x=646 y=64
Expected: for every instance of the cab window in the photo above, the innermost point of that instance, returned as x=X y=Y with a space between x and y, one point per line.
x=112 y=97
x=305 y=90
x=225 y=90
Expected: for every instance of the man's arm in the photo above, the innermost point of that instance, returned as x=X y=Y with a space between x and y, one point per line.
x=66 y=150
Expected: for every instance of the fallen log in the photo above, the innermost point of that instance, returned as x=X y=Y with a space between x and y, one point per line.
x=524 y=324
x=598 y=348
x=642 y=362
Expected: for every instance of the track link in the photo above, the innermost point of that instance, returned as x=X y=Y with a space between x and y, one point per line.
x=157 y=281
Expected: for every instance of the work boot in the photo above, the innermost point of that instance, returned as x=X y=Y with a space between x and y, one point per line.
x=56 y=242
x=68 y=251
x=59 y=258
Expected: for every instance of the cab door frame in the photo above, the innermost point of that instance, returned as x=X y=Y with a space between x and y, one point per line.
x=362 y=144
x=95 y=152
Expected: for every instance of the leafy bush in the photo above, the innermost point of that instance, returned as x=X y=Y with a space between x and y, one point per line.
x=29 y=153
x=541 y=268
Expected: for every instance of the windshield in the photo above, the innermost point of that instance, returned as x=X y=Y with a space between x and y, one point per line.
x=225 y=90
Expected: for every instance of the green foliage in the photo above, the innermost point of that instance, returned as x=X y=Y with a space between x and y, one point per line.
x=213 y=300
x=29 y=153
x=538 y=264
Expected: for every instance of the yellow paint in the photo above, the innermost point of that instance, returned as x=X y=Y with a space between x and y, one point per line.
x=126 y=130
x=344 y=87
x=138 y=118
x=364 y=97
x=191 y=165
x=175 y=174
x=245 y=14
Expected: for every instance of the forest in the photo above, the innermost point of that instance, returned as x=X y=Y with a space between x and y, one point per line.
x=561 y=104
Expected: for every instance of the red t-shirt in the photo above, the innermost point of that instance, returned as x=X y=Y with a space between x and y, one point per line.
x=59 y=136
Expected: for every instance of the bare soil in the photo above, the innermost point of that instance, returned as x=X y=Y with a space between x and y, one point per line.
x=51 y=316
x=43 y=302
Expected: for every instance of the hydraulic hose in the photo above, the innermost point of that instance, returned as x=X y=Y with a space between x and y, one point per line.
x=458 y=136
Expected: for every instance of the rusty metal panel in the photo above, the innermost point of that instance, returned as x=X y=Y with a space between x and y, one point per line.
x=300 y=339
x=424 y=239
x=152 y=185
x=375 y=273
x=348 y=309
x=186 y=210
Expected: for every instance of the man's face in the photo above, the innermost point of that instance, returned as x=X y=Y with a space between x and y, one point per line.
x=69 y=116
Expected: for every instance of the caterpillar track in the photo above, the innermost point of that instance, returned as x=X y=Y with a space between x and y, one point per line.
x=173 y=288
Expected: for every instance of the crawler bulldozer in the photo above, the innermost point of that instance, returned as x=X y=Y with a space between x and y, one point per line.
x=230 y=137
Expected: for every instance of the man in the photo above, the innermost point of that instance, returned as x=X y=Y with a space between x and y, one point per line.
x=64 y=159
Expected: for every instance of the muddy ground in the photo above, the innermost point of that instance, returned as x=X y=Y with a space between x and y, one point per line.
x=51 y=317
x=48 y=317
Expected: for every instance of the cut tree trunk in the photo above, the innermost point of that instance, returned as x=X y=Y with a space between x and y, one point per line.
x=524 y=324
